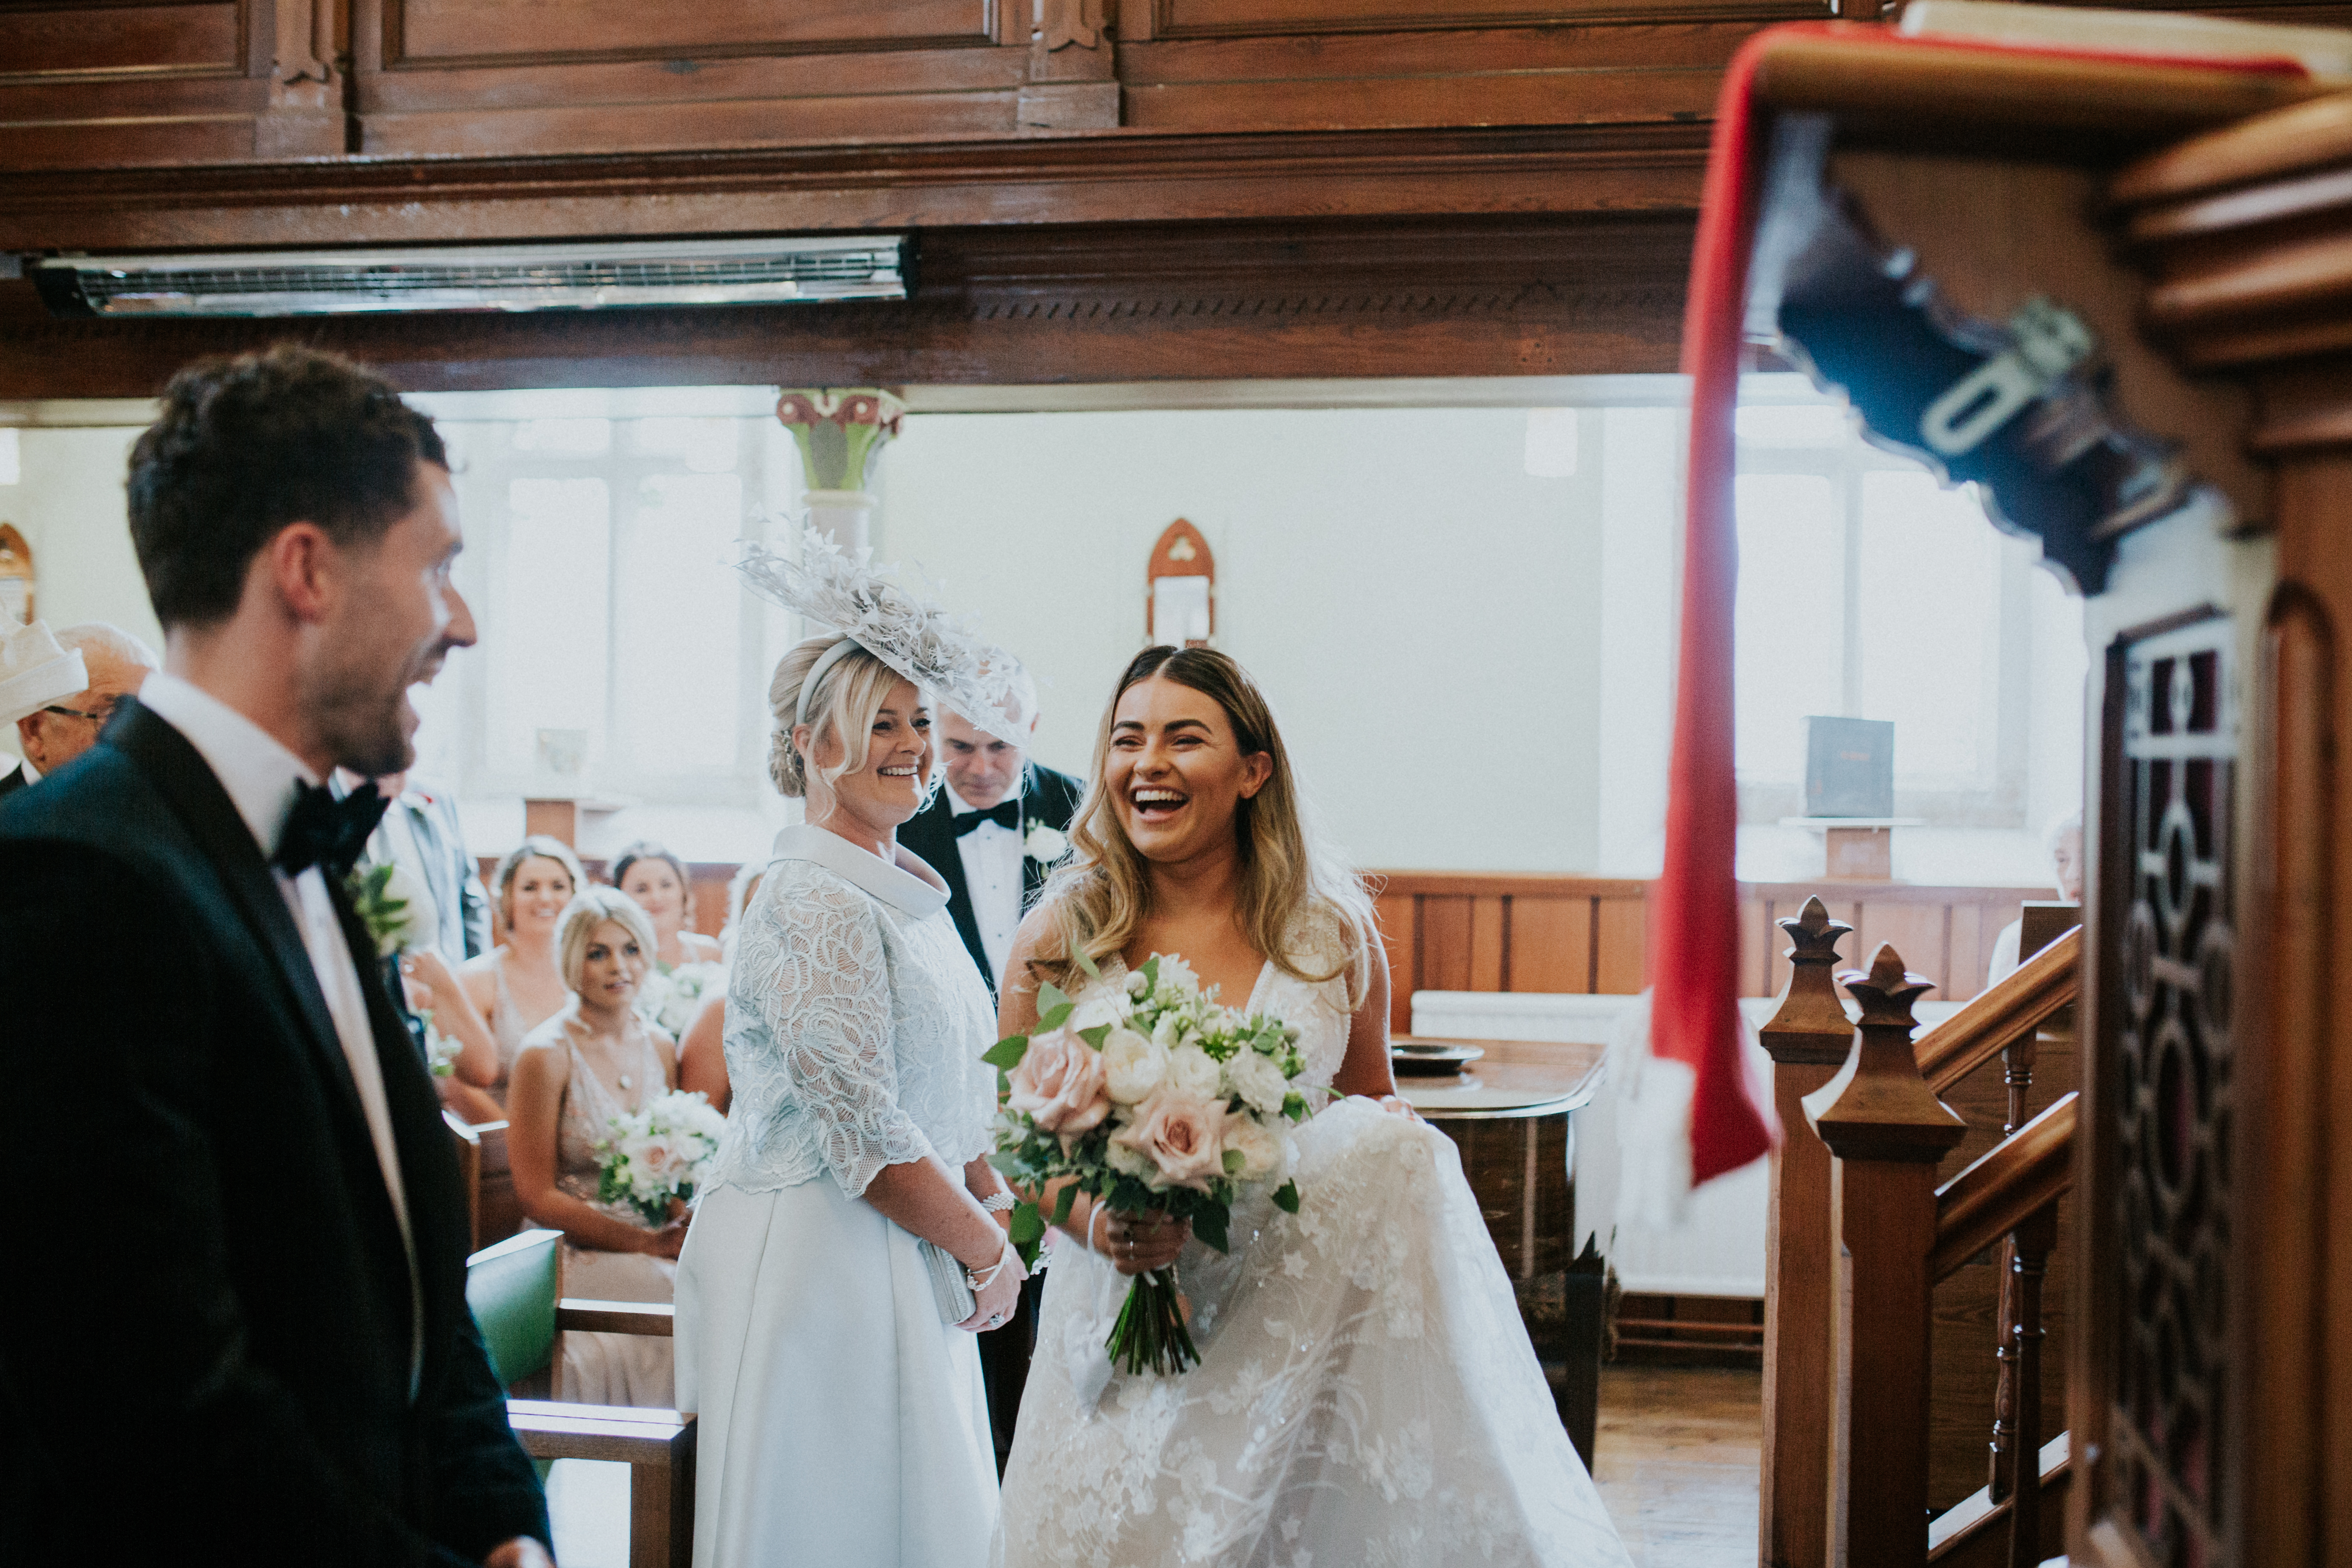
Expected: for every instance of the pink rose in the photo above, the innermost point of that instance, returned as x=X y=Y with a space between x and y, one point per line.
x=1059 y=1085
x=1183 y=1135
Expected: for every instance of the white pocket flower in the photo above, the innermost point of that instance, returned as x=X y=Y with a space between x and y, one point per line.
x=1258 y=1081
x=1194 y=1071
x=1133 y=1066
x=1045 y=844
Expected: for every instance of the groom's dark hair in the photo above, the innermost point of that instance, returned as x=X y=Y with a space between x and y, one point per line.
x=248 y=444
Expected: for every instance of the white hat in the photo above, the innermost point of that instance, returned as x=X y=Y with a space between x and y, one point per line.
x=35 y=671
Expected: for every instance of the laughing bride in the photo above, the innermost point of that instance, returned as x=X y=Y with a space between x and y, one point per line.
x=1367 y=1393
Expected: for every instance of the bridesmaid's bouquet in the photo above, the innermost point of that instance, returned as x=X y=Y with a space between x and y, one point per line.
x=1147 y=1097
x=670 y=997
x=659 y=1153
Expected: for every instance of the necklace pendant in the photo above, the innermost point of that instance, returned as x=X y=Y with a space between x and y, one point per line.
x=625 y=1080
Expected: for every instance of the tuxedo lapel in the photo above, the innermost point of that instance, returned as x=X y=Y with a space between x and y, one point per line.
x=12 y=781
x=182 y=777
x=936 y=824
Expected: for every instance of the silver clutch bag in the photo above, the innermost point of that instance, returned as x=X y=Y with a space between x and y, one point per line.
x=950 y=1286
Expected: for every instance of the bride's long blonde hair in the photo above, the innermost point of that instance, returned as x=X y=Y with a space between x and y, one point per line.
x=1291 y=882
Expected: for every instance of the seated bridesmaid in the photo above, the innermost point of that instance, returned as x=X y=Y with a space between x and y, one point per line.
x=657 y=880
x=702 y=1053
x=516 y=986
x=594 y=1060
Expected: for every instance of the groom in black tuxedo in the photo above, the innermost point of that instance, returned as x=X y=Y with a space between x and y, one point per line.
x=979 y=833
x=243 y=1336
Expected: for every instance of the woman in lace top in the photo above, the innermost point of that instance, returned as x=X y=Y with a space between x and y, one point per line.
x=1367 y=1392
x=842 y=1417
x=594 y=1059
x=518 y=984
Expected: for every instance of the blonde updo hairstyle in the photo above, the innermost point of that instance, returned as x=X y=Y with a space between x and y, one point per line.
x=596 y=907
x=847 y=697
x=538 y=846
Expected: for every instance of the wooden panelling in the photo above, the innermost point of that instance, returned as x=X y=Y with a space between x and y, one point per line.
x=1551 y=943
x=1226 y=18
x=444 y=31
x=87 y=46
x=1585 y=934
x=1017 y=305
x=1621 y=944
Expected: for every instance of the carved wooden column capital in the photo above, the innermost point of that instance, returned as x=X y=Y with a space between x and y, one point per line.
x=1073 y=68
x=309 y=112
x=840 y=431
x=1879 y=1108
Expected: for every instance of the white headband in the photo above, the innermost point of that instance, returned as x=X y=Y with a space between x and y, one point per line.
x=824 y=662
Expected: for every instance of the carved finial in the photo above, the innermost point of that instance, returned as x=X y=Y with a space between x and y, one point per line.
x=1810 y=1025
x=1878 y=1107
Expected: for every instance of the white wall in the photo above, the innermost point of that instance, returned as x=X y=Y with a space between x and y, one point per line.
x=68 y=504
x=1424 y=616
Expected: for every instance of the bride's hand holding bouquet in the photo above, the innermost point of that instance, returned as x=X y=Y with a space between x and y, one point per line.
x=1160 y=1106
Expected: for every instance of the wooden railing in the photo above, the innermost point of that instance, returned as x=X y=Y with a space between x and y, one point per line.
x=1849 y=1327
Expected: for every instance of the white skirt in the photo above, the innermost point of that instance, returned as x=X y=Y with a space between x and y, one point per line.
x=840 y=1422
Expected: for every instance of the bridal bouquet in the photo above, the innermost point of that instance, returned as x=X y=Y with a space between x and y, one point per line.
x=659 y=1153
x=1149 y=1097
x=671 y=997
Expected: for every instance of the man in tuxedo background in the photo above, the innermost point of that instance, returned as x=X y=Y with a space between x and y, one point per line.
x=246 y=1338
x=979 y=833
x=980 y=828
x=113 y=663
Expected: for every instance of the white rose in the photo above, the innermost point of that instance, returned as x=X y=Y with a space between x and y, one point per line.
x=1100 y=1005
x=1264 y=1152
x=1258 y=1081
x=1132 y=1065
x=419 y=924
x=1136 y=988
x=1168 y=1033
x=1194 y=1071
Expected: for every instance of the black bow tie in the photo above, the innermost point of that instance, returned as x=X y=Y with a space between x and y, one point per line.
x=1006 y=813
x=325 y=832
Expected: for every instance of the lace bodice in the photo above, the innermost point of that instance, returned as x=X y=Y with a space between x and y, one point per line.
x=856 y=1022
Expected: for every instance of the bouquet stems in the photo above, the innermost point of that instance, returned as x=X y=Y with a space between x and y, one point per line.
x=1151 y=1334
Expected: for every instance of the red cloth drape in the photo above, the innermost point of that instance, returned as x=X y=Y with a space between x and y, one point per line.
x=1694 y=908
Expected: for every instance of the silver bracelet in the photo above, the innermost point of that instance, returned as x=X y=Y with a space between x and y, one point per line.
x=980 y=1281
x=997 y=1202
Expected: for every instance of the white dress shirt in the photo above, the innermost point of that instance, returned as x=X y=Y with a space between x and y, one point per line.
x=25 y=766
x=259 y=775
x=991 y=875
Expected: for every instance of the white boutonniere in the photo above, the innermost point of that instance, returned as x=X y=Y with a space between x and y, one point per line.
x=1045 y=844
x=394 y=907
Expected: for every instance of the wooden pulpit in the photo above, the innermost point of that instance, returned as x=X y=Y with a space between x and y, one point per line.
x=2108 y=279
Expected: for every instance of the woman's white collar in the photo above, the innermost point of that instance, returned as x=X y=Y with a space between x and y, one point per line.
x=868 y=872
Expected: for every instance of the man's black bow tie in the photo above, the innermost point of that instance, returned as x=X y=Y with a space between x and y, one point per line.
x=325 y=832
x=1004 y=814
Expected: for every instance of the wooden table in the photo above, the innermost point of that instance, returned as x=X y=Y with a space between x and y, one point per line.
x=1513 y=1116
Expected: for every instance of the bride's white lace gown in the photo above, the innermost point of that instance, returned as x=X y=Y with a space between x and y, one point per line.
x=1366 y=1394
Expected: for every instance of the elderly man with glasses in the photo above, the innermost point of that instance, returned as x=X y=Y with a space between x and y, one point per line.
x=56 y=732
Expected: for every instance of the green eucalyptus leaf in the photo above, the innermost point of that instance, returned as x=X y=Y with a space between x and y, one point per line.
x=1151 y=973
x=1006 y=1054
x=1056 y=1018
x=1062 y=1204
x=1050 y=996
x=1209 y=1224
x=1286 y=1197
x=1028 y=1225
x=1079 y=956
x=1096 y=1036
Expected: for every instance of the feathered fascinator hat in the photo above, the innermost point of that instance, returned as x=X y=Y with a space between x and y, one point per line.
x=945 y=656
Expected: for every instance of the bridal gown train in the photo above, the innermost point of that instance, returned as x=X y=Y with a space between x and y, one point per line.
x=1367 y=1393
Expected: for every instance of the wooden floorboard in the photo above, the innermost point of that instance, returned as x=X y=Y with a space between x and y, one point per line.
x=1676 y=1457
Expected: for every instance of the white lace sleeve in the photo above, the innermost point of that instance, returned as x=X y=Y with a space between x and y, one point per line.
x=821 y=988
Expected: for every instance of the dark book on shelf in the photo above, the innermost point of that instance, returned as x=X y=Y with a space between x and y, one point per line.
x=1849 y=767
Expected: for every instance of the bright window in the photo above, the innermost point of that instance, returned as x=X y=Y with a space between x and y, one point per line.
x=619 y=656
x=1869 y=590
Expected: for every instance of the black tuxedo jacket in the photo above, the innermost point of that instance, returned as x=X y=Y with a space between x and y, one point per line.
x=13 y=779
x=1046 y=796
x=204 y=1352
